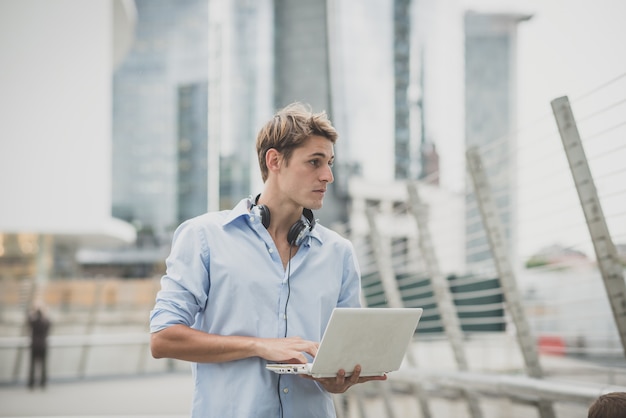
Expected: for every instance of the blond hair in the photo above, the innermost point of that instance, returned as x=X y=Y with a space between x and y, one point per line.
x=288 y=130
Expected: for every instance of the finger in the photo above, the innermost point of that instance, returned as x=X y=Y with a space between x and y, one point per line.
x=341 y=377
x=370 y=378
x=312 y=349
x=313 y=346
x=294 y=357
x=305 y=346
x=355 y=374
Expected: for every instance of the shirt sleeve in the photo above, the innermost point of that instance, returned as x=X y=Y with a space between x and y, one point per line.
x=185 y=285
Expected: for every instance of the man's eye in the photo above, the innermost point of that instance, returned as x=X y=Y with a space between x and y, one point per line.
x=318 y=163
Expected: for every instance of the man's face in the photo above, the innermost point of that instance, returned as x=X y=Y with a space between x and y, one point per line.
x=309 y=171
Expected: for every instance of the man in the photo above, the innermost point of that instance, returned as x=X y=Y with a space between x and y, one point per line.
x=609 y=405
x=39 y=329
x=258 y=283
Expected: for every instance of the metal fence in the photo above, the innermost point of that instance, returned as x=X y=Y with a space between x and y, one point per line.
x=544 y=273
x=99 y=328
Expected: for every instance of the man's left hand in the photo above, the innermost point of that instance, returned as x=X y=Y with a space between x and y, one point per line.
x=341 y=383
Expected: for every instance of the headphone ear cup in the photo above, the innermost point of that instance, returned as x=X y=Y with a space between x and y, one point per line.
x=298 y=232
x=265 y=215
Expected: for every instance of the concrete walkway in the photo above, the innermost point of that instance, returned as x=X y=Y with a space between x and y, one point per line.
x=154 y=396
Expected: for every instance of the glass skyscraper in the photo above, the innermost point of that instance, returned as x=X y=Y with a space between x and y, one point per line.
x=159 y=115
x=490 y=94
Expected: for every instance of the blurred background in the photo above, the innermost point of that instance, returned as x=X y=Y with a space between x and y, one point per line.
x=121 y=118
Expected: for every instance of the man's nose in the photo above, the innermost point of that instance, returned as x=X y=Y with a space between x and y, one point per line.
x=327 y=175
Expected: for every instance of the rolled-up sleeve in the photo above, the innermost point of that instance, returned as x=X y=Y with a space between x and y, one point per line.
x=185 y=285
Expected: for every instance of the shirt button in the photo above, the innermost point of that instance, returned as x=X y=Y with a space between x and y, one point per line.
x=271 y=250
x=286 y=390
x=251 y=218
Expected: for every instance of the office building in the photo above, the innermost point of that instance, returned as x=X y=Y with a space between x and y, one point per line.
x=159 y=103
x=490 y=95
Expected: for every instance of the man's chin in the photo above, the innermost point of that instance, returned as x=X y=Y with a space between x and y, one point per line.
x=317 y=205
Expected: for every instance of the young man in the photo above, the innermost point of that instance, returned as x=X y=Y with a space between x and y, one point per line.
x=257 y=284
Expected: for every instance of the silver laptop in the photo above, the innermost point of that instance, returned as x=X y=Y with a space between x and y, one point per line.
x=375 y=338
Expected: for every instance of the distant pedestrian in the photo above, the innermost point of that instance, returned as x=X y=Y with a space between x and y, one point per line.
x=39 y=329
x=609 y=405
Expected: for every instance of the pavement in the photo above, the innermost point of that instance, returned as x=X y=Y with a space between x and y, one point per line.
x=169 y=395
x=166 y=395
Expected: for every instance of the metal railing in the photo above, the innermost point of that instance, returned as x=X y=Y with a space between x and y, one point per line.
x=557 y=307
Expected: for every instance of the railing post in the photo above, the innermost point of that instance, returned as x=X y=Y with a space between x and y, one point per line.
x=495 y=236
x=91 y=323
x=25 y=328
x=441 y=290
x=606 y=254
x=382 y=254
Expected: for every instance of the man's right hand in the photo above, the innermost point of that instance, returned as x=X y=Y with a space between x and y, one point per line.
x=286 y=350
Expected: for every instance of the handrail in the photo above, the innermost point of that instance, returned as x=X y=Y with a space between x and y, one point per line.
x=506 y=385
x=80 y=340
x=493 y=384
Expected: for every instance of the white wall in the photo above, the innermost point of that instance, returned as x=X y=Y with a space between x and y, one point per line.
x=56 y=60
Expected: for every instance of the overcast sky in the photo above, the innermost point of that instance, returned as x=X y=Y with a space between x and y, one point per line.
x=570 y=48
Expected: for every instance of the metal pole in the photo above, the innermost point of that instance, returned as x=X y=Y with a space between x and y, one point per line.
x=495 y=236
x=382 y=254
x=25 y=328
x=606 y=254
x=90 y=325
x=443 y=297
x=394 y=299
x=215 y=105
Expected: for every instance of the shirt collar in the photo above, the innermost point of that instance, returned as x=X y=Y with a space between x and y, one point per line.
x=242 y=209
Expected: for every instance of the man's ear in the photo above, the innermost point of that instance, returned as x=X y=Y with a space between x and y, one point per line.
x=273 y=159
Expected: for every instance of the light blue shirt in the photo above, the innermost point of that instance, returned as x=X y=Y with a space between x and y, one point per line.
x=225 y=276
